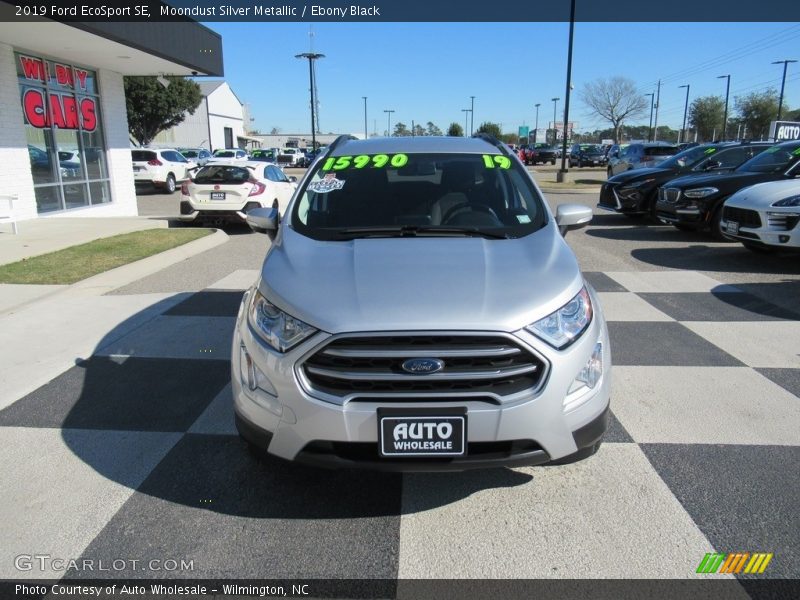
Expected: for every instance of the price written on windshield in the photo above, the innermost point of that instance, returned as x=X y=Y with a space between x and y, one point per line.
x=377 y=161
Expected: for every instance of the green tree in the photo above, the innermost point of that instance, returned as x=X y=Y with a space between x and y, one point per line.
x=756 y=111
x=419 y=131
x=455 y=130
x=401 y=130
x=706 y=115
x=433 y=129
x=152 y=108
x=490 y=128
x=615 y=100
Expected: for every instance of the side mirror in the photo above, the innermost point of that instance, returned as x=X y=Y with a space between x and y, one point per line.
x=293 y=179
x=264 y=220
x=570 y=217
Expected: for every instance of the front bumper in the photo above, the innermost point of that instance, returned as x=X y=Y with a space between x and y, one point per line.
x=190 y=212
x=617 y=198
x=769 y=232
x=673 y=207
x=291 y=422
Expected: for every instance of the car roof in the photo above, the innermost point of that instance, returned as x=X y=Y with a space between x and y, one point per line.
x=419 y=144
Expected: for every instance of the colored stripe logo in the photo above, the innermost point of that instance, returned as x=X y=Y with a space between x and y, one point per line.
x=735 y=562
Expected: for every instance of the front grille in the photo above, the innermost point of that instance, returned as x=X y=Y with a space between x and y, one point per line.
x=782 y=221
x=477 y=365
x=669 y=195
x=743 y=216
x=608 y=196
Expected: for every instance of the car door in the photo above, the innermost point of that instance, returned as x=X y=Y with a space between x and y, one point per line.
x=283 y=188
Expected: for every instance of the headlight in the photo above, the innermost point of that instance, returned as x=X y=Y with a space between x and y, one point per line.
x=565 y=325
x=700 y=192
x=275 y=327
x=791 y=201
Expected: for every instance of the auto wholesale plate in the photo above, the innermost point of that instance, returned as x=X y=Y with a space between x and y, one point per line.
x=218 y=195
x=732 y=227
x=417 y=432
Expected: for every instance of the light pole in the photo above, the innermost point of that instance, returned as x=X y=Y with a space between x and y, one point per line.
x=389 y=122
x=650 y=126
x=471 y=115
x=685 y=109
x=536 y=127
x=466 y=112
x=555 y=103
x=783 y=84
x=727 y=94
x=311 y=56
x=563 y=170
x=366 y=134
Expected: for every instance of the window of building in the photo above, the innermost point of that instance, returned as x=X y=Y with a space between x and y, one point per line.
x=63 y=127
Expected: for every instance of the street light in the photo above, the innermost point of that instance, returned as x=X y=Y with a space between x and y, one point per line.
x=466 y=111
x=311 y=56
x=389 y=122
x=685 y=109
x=783 y=84
x=536 y=127
x=555 y=103
x=366 y=134
x=471 y=115
x=727 y=93
x=650 y=126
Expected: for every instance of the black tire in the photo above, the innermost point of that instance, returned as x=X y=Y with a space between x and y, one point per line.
x=169 y=185
x=716 y=224
x=759 y=248
x=552 y=162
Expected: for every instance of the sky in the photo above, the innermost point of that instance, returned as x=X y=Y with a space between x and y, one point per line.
x=428 y=71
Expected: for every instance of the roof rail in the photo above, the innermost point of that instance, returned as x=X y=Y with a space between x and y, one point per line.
x=493 y=141
x=342 y=138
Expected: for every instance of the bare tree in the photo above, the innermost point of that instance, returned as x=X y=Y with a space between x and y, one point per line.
x=615 y=100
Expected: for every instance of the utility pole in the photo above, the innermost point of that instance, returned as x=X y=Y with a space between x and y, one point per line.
x=389 y=122
x=658 y=101
x=685 y=109
x=783 y=85
x=366 y=133
x=312 y=56
x=725 y=119
x=561 y=173
x=650 y=126
x=471 y=115
x=536 y=128
x=555 y=131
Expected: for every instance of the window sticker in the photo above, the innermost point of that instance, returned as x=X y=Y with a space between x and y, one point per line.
x=523 y=218
x=362 y=161
x=327 y=184
x=796 y=152
x=711 y=151
x=491 y=161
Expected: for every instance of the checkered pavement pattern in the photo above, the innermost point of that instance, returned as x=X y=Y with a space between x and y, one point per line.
x=132 y=453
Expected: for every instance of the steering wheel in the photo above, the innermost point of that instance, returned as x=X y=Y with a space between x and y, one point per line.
x=462 y=206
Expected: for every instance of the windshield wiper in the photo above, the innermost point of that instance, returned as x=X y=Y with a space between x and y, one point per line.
x=416 y=230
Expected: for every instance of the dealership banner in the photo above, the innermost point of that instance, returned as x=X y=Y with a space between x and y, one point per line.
x=784 y=131
x=401 y=11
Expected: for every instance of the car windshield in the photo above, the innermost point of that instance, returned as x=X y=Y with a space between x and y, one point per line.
x=224 y=153
x=189 y=153
x=418 y=194
x=222 y=174
x=688 y=157
x=774 y=159
x=660 y=150
x=591 y=148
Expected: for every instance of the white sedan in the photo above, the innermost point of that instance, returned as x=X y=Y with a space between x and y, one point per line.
x=224 y=192
x=764 y=216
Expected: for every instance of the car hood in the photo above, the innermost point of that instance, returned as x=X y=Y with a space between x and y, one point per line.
x=763 y=195
x=638 y=174
x=733 y=180
x=420 y=283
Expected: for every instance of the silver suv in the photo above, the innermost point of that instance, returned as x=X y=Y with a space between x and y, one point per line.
x=419 y=309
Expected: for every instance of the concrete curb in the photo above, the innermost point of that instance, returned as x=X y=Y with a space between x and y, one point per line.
x=102 y=283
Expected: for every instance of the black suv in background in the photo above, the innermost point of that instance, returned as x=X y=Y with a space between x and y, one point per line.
x=586 y=155
x=635 y=192
x=540 y=153
x=638 y=155
x=695 y=202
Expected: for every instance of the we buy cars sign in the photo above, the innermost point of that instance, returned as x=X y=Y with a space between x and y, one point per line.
x=62 y=110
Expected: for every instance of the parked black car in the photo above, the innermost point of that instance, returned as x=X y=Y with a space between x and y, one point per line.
x=695 y=202
x=638 y=155
x=635 y=192
x=586 y=155
x=540 y=153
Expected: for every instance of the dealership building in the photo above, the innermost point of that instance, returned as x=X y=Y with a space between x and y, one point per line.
x=64 y=142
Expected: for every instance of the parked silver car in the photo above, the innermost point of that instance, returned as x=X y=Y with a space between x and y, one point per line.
x=419 y=309
x=637 y=156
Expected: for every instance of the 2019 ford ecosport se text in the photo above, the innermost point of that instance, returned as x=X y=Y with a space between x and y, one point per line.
x=419 y=309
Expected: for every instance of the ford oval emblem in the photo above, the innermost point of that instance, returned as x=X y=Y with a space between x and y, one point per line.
x=423 y=366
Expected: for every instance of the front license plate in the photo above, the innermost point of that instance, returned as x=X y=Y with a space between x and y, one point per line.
x=218 y=195
x=732 y=227
x=422 y=435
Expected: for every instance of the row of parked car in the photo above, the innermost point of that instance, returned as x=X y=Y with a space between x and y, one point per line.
x=743 y=191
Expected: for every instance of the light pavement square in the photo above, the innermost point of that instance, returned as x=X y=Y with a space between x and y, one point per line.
x=592 y=517
x=238 y=280
x=206 y=338
x=704 y=405
x=627 y=306
x=669 y=281
x=15 y=295
x=757 y=344
x=56 y=499
x=218 y=416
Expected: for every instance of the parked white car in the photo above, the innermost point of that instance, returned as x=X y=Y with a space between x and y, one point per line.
x=226 y=155
x=162 y=168
x=765 y=216
x=225 y=192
